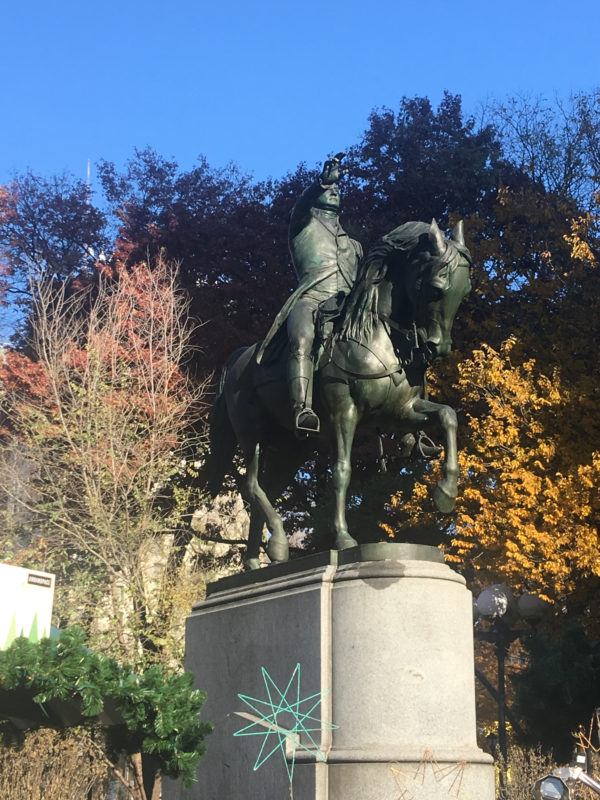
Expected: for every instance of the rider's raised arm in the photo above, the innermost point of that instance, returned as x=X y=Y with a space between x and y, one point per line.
x=301 y=212
x=321 y=193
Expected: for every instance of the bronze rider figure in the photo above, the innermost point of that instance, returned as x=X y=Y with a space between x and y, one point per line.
x=325 y=260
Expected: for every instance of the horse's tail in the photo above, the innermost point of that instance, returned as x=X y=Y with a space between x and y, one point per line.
x=222 y=439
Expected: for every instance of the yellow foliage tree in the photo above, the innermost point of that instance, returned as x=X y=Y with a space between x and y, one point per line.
x=527 y=510
x=530 y=498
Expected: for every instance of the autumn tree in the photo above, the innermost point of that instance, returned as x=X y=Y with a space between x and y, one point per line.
x=554 y=143
x=527 y=385
x=419 y=162
x=228 y=234
x=49 y=228
x=527 y=511
x=101 y=414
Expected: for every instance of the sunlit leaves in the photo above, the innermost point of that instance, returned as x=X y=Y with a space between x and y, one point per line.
x=528 y=504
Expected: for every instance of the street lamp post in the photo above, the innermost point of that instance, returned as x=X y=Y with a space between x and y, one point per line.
x=497 y=605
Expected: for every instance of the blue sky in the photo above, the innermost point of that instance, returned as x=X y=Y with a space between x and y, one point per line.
x=266 y=84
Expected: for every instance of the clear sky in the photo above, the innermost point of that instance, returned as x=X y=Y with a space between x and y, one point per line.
x=266 y=84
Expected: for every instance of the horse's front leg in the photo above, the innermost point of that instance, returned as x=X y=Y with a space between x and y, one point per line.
x=343 y=422
x=444 y=493
x=261 y=510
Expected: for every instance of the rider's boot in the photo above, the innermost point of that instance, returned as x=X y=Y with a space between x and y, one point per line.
x=300 y=387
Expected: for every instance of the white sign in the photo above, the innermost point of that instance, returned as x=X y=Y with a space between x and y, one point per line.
x=26 y=597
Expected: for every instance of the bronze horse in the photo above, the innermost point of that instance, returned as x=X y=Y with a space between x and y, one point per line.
x=370 y=368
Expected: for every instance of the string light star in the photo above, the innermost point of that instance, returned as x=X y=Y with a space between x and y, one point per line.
x=279 y=706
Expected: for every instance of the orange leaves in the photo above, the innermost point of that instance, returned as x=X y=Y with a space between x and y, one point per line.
x=106 y=405
x=18 y=373
x=102 y=420
x=7 y=204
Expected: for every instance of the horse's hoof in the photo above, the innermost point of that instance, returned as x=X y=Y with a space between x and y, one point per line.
x=278 y=548
x=344 y=541
x=444 y=502
x=251 y=563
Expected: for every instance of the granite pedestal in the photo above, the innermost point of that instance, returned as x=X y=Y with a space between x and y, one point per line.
x=385 y=632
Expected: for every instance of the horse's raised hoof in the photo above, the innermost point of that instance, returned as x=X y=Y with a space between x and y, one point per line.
x=344 y=541
x=278 y=548
x=444 y=502
x=251 y=563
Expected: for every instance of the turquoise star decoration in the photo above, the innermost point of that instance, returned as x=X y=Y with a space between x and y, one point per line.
x=286 y=717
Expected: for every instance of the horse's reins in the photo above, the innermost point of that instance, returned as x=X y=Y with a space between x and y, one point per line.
x=393 y=325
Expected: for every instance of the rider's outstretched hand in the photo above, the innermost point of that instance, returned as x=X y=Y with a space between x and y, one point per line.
x=332 y=170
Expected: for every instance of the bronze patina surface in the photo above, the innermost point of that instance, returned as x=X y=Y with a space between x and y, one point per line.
x=350 y=347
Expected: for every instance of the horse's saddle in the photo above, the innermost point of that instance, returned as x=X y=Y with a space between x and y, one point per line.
x=371 y=356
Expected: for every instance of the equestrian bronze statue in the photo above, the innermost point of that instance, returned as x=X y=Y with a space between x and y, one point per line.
x=325 y=259
x=350 y=347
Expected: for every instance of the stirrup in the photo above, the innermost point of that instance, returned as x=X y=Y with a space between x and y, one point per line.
x=307 y=423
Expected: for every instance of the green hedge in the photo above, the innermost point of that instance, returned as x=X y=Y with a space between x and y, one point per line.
x=158 y=712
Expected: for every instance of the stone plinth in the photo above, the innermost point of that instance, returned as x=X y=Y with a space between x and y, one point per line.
x=385 y=632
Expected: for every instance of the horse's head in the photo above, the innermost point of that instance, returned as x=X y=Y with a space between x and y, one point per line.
x=440 y=287
x=413 y=277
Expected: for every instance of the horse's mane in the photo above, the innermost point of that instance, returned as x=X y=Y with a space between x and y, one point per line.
x=360 y=310
x=407 y=242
